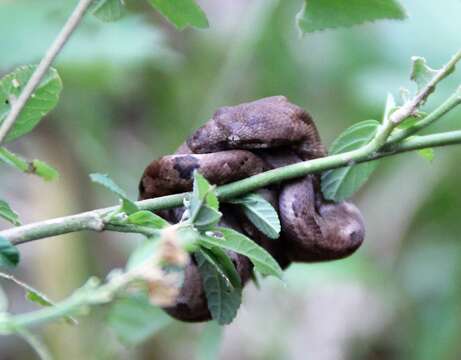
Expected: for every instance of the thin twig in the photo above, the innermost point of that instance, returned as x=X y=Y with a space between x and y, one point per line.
x=410 y=107
x=44 y=65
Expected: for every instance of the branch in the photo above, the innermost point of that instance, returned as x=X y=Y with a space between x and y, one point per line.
x=411 y=106
x=383 y=144
x=94 y=220
x=43 y=66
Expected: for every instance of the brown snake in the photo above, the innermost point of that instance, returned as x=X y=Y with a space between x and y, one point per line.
x=241 y=141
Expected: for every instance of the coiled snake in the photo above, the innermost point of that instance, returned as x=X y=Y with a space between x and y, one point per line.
x=241 y=141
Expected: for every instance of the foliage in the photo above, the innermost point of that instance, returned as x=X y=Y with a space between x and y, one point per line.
x=43 y=100
x=9 y=214
x=340 y=184
x=132 y=317
x=325 y=14
x=9 y=255
x=261 y=213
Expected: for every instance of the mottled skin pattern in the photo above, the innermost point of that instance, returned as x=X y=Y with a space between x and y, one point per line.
x=241 y=141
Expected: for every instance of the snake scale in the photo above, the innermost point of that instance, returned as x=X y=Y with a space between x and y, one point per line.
x=241 y=141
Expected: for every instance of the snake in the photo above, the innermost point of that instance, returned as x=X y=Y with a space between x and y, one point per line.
x=241 y=141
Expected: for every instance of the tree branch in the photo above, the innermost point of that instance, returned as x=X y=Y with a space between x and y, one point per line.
x=383 y=144
x=94 y=220
x=43 y=66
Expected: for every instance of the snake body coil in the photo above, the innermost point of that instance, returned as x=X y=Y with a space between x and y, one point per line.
x=241 y=141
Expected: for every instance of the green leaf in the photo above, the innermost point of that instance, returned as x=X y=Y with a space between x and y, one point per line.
x=128 y=206
x=341 y=183
x=42 y=101
x=9 y=254
x=223 y=301
x=107 y=10
x=142 y=253
x=108 y=183
x=45 y=171
x=210 y=341
x=36 y=167
x=202 y=193
x=421 y=74
x=38 y=298
x=147 y=218
x=34 y=295
x=188 y=237
x=223 y=264
x=389 y=108
x=206 y=218
x=239 y=243
x=181 y=13
x=8 y=214
x=318 y=15
x=261 y=213
x=133 y=319
x=427 y=153
x=412 y=120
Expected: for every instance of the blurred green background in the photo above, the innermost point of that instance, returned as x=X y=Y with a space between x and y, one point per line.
x=134 y=89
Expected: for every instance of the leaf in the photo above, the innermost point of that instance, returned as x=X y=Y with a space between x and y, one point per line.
x=210 y=341
x=412 y=120
x=128 y=206
x=421 y=74
x=34 y=295
x=341 y=183
x=223 y=264
x=9 y=254
x=239 y=243
x=107 y=10
x=202 y=193
x=42 y=101
x=188 y=237
x=108 y=183
x=181 y=13
x=147 y=218
x=206 y=218
x=318 y=15
x=45 y=171
x=427 y=153
x=8 y=214
x=133 y=319
x=142 y=253
x=389 y=108
x=261 y=213
x=223 y=301
x=38 y=298
x=36 y=167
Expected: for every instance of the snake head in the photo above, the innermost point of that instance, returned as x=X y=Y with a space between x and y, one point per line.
x=343 y=228
x=212 y=136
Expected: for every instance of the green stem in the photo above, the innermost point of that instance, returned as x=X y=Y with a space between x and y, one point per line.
x=14 y=160
x=448 y=105
x=92 y=220
x=90 y=294
x=69 y=27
